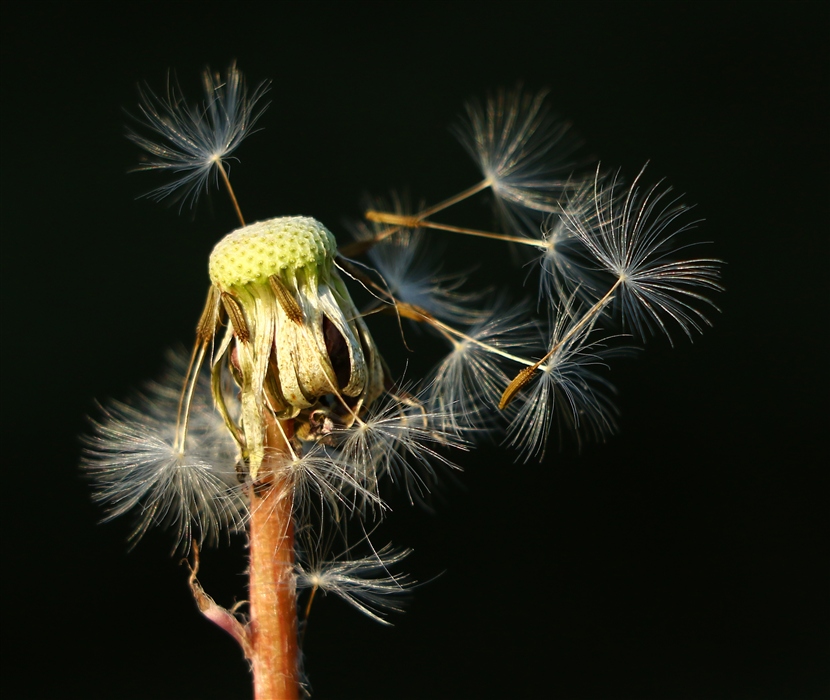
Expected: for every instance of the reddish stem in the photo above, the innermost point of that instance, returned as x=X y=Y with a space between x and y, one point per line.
x=273 y=598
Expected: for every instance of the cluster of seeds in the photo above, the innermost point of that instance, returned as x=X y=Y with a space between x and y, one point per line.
x=275 y=247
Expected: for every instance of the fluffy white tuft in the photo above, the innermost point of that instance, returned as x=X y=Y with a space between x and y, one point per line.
x=408 y=263
x=324 y=480
x=522 y=149
x=466 y=386
x=566 y=266
x=364 y=583
x=192 y=141
x=135 y=467
x=400 y=438
x=568 y=386
x=632 y=235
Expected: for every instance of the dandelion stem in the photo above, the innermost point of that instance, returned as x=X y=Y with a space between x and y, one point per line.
x=229 y=187
x=273 y=599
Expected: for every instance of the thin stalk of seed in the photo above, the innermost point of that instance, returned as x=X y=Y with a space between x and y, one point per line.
x=469 y=192
x=229 y=187
x=526 y=374
x=204 y=332
x=403 y=221
x=483 y=234
x=186 y=397
x=440 y=325
x=399 y=221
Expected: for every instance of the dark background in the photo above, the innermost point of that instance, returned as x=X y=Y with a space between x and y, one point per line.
x=685 y=558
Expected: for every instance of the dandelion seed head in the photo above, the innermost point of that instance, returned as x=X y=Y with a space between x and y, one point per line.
x=283 y=246
x=295 y=335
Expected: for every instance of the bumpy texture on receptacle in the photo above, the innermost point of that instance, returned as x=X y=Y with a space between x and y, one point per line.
x=274 y=247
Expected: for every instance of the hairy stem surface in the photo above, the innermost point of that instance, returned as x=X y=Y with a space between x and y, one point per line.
x=273 y=600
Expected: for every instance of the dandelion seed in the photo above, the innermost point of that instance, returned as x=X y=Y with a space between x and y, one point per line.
x=566 y=265
x=565 y=385
x=524 y=152
x=321 y=476
x=364 y=583
x=631 y=235
x=193 y=141
x=406 y=262
x=135 y=465
x=398 y=439
x=466 y=386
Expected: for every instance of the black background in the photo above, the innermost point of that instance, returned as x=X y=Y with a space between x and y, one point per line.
x=684 y=558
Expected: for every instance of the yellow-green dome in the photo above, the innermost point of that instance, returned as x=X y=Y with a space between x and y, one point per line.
x=274 y=247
